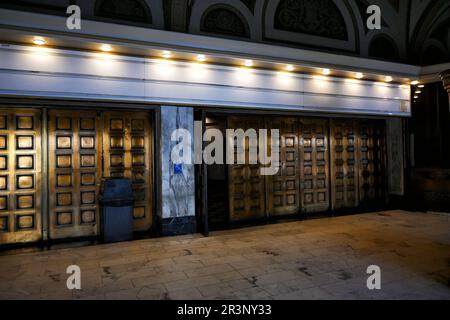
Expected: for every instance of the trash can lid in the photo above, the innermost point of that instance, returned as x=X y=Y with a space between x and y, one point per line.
x=116 y=189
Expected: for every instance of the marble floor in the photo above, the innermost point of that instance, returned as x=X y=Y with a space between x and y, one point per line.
x=323 y=258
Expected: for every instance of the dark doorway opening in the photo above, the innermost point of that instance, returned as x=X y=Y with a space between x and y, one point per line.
x=218 y=197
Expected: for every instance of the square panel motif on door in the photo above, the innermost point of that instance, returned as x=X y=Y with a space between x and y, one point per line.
x=344 y=164
x=283 y=188
x=75 y=173
x=20 y=175
x=246 y=184
x=372 y=163
x=314 y=165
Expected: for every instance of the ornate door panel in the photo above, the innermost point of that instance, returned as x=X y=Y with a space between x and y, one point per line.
x=74 y=173
x=372 y=162
x=283 y=188
x=344 y=164
x=127 y=153
x=20 y=175
x=246 y=184
x=314 y=165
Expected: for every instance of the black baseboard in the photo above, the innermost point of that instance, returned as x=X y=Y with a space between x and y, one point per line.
x=177 y=226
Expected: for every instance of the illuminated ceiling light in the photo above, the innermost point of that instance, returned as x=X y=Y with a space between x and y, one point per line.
x=416 y=97
x=166 y=55
x=351 y=81
x=201 y=58
x=290 y=67
x=326 y=72
x=414 y=83
x=421 y=86
x=248 y=63
x=359 y=75
x=388 y=79
x=39 y=41
x=418 y=92
x=106 y=48
x=320 y=77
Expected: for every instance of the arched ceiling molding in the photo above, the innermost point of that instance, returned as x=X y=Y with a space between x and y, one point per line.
x=176 y=15
x=258 y=19
x=438 y=13
x=418 y=7
x=361 y=19
x=394 y=27
x=438 y=45
x=389 y=15
x=400 y=43
x=199 y=8
x=359 y=23
x=157 y=7
x=307 y=39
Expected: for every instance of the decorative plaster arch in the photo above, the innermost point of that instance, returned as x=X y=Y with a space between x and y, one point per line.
x=307 y=39
x=359 y=25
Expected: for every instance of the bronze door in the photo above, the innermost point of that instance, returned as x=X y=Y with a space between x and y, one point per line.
x=283 y=188
x=344 y=164
x=372 y=162
x=246 y=184
x=127 y=153
x=20 y=175
x=314 y=165
x=75 y=173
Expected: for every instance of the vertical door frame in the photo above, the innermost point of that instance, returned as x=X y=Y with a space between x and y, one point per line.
x=204 y=169
x=331 y=164
x=45 y=177
x=268 y=125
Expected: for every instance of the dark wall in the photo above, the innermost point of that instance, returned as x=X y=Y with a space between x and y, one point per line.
x=428 y=172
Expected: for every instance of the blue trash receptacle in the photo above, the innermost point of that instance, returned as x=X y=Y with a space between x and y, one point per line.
x=116 y=203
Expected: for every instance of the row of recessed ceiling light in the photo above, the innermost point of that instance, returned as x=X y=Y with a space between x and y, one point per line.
x=247 y=63
x=418 y=89
x=288 y=67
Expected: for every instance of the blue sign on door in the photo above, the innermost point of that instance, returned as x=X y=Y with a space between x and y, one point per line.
x=178 y=168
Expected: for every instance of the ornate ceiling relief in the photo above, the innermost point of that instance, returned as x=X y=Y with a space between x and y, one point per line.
x=318 y=17
x=224 y=20
x=130 y=10
x=311 y=23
